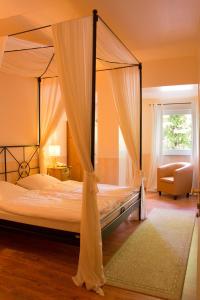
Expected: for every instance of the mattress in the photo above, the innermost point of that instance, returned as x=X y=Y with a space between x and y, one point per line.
x=66 y=225
x=59 y=210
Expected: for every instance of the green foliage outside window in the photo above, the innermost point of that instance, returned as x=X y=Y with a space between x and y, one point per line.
x=177 y=132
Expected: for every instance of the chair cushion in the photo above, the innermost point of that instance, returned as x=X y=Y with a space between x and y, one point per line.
x=167 y=179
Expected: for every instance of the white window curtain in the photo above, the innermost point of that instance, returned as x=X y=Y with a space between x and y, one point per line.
x=73 y=49
x=126 y=93
x=195 y=142
x=51 y=111
x=156 y=137
x=3 y=40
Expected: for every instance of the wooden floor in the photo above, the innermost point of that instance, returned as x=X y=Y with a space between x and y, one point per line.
x=34 y=268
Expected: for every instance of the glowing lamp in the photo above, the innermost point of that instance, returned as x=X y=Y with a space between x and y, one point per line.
x=54 y=152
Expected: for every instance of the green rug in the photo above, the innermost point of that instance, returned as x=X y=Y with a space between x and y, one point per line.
x=153 y=260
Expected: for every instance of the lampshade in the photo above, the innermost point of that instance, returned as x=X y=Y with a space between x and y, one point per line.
x=54 y=150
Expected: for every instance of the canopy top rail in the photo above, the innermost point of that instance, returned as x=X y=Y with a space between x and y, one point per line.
x=28 y=30
x=116 y=62
x=116 y=68
x=170 y=103
x=101 y=70
x=125 y=65
x=51 y=46
x=47 y=26
x=27 y=49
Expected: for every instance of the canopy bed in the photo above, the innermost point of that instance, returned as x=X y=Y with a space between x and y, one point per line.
x=82 y=48
x=61 y=210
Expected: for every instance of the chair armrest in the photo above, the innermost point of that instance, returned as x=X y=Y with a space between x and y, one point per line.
x=185 y=172
x=165 y=170
x=183 y=178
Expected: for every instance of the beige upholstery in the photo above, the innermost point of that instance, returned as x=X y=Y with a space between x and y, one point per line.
x=175 y=179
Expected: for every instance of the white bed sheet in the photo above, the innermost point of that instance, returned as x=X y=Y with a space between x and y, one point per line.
x=57 y=207
x=60 y=206
x=59 y=224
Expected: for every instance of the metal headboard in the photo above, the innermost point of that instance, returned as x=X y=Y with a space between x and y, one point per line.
x=23 y=160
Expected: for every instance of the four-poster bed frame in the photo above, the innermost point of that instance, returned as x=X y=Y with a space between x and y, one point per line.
x=123 y=212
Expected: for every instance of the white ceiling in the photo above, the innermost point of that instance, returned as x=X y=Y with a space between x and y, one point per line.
x=152 y=29
x=167 y=93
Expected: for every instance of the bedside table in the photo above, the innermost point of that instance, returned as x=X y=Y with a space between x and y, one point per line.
x=61 y=173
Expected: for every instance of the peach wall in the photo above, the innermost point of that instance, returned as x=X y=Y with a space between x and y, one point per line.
x=18 y=110
x=171 y=71
x=108 y=148
x=19 y=114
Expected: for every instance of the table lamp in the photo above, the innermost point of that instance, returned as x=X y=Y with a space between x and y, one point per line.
x=54 y=152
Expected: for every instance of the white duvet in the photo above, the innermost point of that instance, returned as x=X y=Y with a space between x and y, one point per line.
x=49 y=183
x=76 y=187
x=58 y=205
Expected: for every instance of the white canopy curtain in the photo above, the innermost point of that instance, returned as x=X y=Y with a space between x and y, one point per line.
x=73 y=48
x=51 y=109
x=110 y=49
x=126 y=92
x=125 y=163
x=195 y=142
x=27 y=63
x=155 y=158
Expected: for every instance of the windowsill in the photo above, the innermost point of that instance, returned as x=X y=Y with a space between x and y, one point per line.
x=178 y=153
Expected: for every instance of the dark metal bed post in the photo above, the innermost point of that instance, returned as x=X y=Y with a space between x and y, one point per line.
x=5 y=164
x=140 y=78
x=39 y=107
x=140 y=72
x=95 y=19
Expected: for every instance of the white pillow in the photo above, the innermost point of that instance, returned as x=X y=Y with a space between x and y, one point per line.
x=38 y=182
x=8 y=190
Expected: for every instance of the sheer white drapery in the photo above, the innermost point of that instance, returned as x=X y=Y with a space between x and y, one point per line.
x=3 y=40
x=51 y=110
x=195 y=142
x=126 y=93
x=125 y=164
x=155 y=157
x=125 y=86
x=73 y=48
x=27 y=63
x=109 y=48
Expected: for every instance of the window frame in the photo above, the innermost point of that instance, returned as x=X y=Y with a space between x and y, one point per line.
x=175 y=111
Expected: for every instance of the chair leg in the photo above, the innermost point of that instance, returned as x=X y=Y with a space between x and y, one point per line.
x=187 y=195
x=175 y=197
x=159 y=193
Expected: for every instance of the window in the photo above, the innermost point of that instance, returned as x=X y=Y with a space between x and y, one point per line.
x=177 y=132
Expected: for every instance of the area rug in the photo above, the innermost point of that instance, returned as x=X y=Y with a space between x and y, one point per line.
x=153 y=260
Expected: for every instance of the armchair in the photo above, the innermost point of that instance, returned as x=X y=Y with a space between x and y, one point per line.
x=175 y=179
